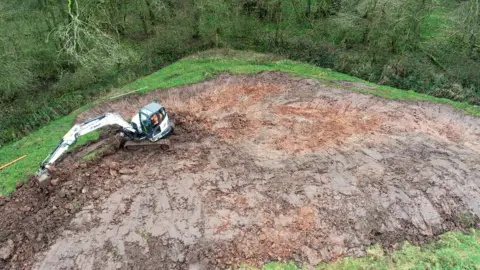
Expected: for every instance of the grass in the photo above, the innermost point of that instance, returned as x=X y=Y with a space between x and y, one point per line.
x=36 y=146
x=187 y=71
x=453 y=250
x=434 y=23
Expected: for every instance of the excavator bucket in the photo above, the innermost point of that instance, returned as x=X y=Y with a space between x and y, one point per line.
x=43 y=177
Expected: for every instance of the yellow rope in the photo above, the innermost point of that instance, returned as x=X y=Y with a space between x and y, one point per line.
x=11 y=162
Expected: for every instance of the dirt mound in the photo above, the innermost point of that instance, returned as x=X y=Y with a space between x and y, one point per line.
x=264 y=167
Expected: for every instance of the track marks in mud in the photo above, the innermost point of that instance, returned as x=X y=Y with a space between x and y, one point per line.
x=315 y=124
x=353 y=170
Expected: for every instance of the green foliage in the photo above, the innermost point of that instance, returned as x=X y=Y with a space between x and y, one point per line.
x=16 y=67
x=453 y=250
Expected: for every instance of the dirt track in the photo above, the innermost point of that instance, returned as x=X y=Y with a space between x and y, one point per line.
x=263 y=167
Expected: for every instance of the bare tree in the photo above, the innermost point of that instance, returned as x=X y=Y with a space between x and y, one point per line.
x=85 y=42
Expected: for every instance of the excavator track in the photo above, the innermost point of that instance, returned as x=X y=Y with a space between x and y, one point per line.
x=163 y=144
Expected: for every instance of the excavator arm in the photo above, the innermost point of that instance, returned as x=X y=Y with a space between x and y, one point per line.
x=92 y=124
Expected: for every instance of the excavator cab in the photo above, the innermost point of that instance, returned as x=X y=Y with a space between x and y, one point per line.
x=154 y=121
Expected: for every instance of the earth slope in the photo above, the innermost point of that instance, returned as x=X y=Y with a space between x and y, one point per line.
x=263 y=167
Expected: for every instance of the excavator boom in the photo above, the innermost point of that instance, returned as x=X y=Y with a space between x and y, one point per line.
x=92 y=124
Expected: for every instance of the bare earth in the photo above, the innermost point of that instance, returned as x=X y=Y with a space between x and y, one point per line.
x=263 y=167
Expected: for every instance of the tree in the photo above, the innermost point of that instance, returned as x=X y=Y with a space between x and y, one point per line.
x=84 y=42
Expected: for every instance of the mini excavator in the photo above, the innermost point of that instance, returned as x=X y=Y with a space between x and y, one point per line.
x=148 y=127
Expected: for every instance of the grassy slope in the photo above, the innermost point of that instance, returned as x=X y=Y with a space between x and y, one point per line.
x=36 y=146
x=189 y=70
x=453 y=250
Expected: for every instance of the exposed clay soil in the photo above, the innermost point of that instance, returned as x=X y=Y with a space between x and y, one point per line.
x=263 y=167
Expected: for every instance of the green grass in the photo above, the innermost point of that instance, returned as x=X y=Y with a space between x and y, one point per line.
x=434 y=23
x=187 y=71
x=453 y=250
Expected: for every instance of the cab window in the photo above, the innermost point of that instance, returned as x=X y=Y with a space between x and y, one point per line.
x=146 y=122
x=162 y=114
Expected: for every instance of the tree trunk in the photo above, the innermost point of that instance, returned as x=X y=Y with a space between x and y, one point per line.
x=278 y=21
x=473 y=24
x=151 y=14
x=146 y=30
x=308 y=9
x=196 y=19
x=47 y=7
x=297 y=14
x=72 y=9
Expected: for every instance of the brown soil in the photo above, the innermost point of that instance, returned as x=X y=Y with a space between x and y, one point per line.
x=262 y=167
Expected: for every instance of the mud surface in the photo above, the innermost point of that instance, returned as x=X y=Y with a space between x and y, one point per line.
x=265 y=167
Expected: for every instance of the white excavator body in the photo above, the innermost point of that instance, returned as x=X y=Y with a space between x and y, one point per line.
x=150 y=123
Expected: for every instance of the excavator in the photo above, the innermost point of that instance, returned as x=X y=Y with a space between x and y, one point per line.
x=150 y=126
